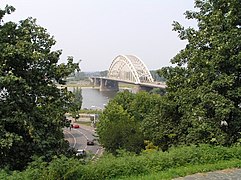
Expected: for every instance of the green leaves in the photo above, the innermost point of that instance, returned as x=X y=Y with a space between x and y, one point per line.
x=32 y=108
x=120 y=123
x=204 y=86
x=8 y=10
x=129 y=119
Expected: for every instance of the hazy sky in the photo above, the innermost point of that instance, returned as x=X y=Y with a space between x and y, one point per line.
x=97 y=31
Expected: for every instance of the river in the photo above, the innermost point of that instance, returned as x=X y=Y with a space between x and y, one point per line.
x=95 y=99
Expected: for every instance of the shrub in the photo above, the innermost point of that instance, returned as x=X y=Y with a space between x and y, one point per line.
x=127 y=164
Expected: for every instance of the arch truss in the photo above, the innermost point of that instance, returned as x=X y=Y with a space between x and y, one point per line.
x=129 y=68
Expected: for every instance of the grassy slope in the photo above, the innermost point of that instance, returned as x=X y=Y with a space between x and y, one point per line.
x=177 y=162
x=186 y=170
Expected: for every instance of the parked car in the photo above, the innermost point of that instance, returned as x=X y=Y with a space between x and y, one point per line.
x=76 y=126
x=81 y=152
x=90 y=142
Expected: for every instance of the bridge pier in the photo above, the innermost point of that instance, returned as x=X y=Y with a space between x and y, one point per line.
x=95 y=81
x=108 y=85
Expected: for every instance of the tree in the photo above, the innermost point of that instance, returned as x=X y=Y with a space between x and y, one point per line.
x=124 y=99
x=130 y=118
x=32 y=108
x=76 y=102
x=143 y=104
x=156 y=76
x=118 y=130
x=137 y=105
x=204 y=87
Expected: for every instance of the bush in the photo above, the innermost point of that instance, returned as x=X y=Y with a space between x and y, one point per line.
x=127 y=164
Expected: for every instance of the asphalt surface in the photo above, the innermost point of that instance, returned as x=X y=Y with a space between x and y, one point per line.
x=226 y=174
x=77 y=138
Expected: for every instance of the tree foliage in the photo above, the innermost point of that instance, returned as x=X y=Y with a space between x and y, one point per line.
x=202 y=103
x=76 y=102
x=123 y=124
x=118 y=130
x=204 y=88
x=32 y=108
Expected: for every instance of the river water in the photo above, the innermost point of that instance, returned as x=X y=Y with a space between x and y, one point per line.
x=95 y=99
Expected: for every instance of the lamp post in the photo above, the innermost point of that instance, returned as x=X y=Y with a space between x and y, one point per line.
x=79 y=69
x=80 y=60
x=95 y=116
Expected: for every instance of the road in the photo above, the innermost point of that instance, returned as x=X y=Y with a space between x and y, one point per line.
x=78 y=139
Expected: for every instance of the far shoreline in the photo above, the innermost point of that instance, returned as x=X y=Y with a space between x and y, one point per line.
x=76 y=86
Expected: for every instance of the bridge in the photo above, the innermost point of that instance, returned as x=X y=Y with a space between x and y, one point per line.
x=127 y=69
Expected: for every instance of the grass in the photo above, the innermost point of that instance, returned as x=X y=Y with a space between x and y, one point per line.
x=186 y=170
x=177 y=162
x=84 y=123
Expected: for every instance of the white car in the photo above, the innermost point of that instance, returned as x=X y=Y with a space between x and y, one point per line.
x=80 y=152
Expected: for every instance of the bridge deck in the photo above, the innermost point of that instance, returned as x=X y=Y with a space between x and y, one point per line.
x=161 y=85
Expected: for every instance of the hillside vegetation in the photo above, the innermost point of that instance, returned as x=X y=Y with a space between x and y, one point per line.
x=161 y=165
x=194 y=125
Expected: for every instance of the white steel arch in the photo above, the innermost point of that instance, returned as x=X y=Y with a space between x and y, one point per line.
x=130 y=68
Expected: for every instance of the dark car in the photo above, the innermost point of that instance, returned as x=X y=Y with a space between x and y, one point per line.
x=90 y=142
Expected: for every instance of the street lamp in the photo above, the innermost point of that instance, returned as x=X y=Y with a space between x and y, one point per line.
x=96 y=116
x=80 y=60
